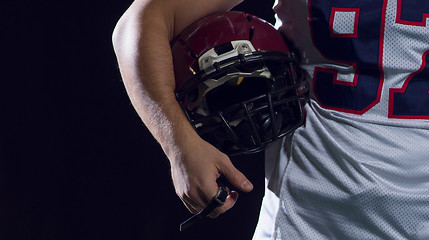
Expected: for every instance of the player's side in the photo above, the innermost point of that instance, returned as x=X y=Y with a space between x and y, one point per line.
x=361 y=159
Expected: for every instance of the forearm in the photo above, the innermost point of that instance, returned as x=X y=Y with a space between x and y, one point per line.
x=142 y=45
x=141 y=41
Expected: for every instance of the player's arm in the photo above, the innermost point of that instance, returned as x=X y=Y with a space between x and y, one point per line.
x=142 y=44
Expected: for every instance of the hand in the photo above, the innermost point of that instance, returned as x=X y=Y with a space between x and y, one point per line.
x=195 y=169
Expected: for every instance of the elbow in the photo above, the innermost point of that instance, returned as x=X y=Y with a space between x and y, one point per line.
x=118 y=35
x=125 y=28
x=115 y=38
x=144 y=16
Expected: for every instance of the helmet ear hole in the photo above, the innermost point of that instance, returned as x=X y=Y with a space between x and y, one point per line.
x=191 y=54
x=249 y=18
x=251 y=31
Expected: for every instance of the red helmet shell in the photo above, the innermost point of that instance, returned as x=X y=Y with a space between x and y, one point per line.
x=237 y=116
x=216 y=30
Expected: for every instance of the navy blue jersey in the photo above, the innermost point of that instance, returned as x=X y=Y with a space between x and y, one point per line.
x=359 y=167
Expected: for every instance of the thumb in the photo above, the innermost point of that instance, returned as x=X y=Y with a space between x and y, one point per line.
x=236 y=178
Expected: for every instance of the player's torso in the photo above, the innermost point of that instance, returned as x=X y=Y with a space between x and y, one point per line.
x=367 y=58
x=364 y=150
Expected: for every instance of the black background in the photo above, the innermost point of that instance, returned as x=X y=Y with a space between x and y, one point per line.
x=76 y=161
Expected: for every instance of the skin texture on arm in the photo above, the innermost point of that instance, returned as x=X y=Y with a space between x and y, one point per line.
x=142 y=45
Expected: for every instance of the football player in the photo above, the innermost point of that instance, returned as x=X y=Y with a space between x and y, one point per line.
x=358 y=166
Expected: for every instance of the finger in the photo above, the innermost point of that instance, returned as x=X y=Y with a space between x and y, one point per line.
x=197 y=199
x=235 y=177
x=229 y=203
x=207 y=192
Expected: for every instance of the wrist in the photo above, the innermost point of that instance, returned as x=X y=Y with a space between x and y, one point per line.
x=180 y=140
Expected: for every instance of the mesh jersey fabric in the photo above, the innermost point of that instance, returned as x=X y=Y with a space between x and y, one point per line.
x=355 y=172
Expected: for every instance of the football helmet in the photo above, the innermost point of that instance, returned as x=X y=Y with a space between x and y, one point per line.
x=238 y=82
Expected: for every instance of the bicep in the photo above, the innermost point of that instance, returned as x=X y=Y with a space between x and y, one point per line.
x=188 y=11
x=144 y=31
x=173 y=16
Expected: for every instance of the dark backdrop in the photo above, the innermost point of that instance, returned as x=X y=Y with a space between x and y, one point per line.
x=75 y=160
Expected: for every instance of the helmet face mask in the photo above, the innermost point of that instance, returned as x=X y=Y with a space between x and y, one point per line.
x=242 y=92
